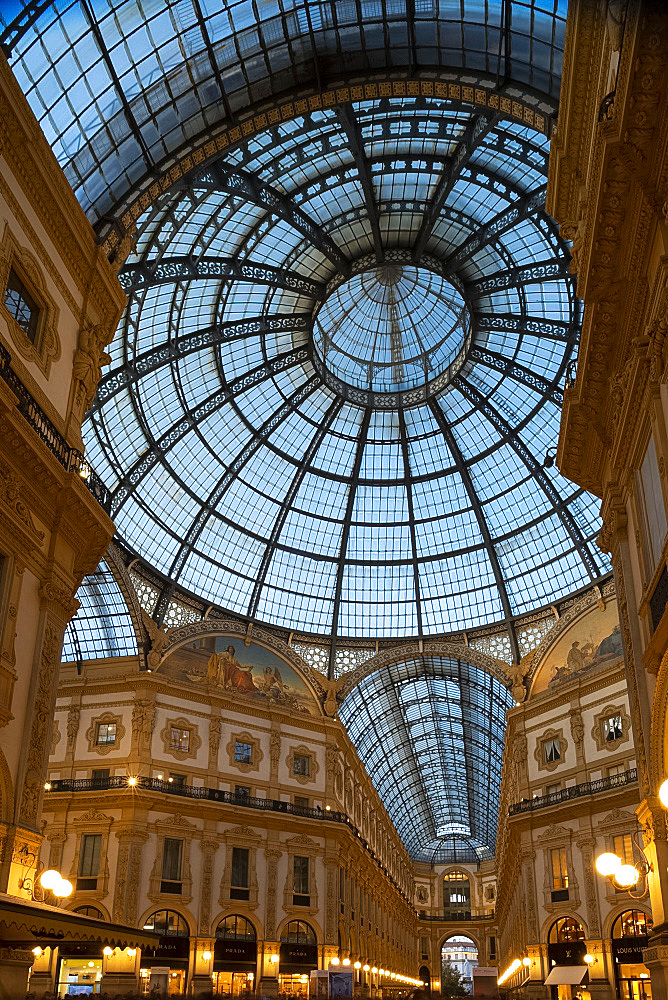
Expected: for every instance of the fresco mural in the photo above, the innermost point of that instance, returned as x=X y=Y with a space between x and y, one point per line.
x=245 y=672
x=593 y=640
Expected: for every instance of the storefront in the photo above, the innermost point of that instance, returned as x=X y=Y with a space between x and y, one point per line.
x=298 y=956
x=165 y=966
x=566 y=950
x=630 y=934
x=235 y=956
x=79 y=968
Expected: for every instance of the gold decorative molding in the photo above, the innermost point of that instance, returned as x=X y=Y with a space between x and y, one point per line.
x=256 y=753
x=194 y=742
x=608 y=712
x=91 y=733
x=314 y=767
x=46 y=347
x=539 y=750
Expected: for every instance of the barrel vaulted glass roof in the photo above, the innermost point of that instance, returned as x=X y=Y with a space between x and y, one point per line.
x=430 y=733
x=102 y=626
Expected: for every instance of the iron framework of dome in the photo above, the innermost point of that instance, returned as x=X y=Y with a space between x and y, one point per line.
x=341 y=362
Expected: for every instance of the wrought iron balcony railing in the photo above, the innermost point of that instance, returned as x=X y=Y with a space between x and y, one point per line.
x=70 y=458
x=464 y=916
x=218 y=795
x=575 y=792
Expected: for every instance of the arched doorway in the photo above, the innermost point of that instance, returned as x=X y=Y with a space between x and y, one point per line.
x=456 y=896
x=459 y=957
x=172 y=952
x=566 y=947
x=298 y=956
x=425 y=976
x=234 y=956
x=630 y=934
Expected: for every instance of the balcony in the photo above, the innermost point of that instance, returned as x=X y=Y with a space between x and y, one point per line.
x=629 y=777
x=120 y=782
x=465 y=916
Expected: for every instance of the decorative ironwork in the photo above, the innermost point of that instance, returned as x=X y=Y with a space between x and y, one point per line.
x=629 y=777
x=188 y=267
x=71 y=459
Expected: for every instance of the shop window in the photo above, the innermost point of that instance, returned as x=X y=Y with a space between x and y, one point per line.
x=105 y=734
x=22 y=306
x=630 y=933
x=167 y=923
x=559 y=866
x=243 y=752
x=565 y=931
x=301 y=765
x=239 y=880
x=89 y=861
x=235 y=928
x=172 y=860
x=179 y=739
x=300 y=881
x=90 y=911
x=632 y=923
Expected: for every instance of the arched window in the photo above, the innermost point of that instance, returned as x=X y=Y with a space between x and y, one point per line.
x=456 y=895
x=235 y=928
x=631 y=924
x=167 y=923
x=90 y=911
x=565 y=930
x=298 y=932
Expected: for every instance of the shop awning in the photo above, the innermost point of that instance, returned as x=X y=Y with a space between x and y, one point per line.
x=30 y=922
x=566 y=975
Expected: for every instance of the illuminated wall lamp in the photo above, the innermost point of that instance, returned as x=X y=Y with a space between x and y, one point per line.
x=626 y=876
x=274 y=959
x=335 y=961
x=589 y=959
x=526 y=962
x=357 y=965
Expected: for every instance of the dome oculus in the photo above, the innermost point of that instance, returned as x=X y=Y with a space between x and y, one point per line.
x=391 y=328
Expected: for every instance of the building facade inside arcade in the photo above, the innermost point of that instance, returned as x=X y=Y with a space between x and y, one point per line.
x=333 y=499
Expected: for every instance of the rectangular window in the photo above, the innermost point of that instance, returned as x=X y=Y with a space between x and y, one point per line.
x=106 y=734
x=89 y=861
x=615 y=769
x=301 y=801
x=100 y=776
x=177 y=780
x=22 y=306
x=424 y=948
x=492 y=948
x=300 y=881
x=172 y=859
x=243 y=753
x=652 y=496
x=622 y=846
x=559 y=868
x=301 y=764
x=342 y=884
x=242 y=791
x=179 y=739
x=613 y=729
x=552 y=751
x=552 y=789
x=239 y=884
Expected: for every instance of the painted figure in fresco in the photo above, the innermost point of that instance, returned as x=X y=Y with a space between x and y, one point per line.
x=272 y=683
x=235 y=676
x=575 y=660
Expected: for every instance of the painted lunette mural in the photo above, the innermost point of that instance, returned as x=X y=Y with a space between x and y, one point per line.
x=251 y=672
x=591 y=641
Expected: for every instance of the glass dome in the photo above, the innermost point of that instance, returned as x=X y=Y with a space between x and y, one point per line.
x=349 y=318
x=265 y=448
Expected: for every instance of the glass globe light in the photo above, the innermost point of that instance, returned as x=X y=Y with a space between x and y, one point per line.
x=49 y=879
x=608 y=864
x=107 y=950
x=63 y=888
x=335 y=961
x=627 y=876
x=663 y=794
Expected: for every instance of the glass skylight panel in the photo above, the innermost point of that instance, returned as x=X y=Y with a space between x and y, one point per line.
x=102 y=626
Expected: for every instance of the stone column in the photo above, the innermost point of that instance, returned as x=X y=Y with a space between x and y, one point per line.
x=208 y=847
x=202 y=967
x=131 y=838
x=15 y=964
x=269 y=972
x=653 y=820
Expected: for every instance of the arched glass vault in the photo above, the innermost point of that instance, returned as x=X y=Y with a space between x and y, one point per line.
x=430 y=733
